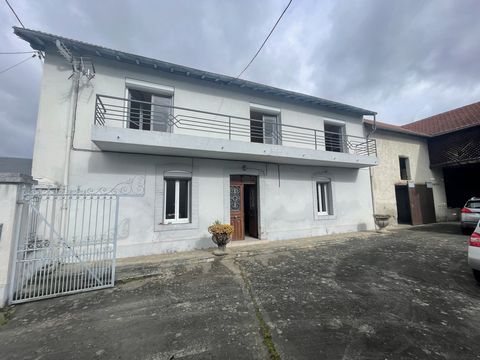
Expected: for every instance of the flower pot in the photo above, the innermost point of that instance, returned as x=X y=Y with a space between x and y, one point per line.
x=221 y=235
x=382 y=220
x=221 y=239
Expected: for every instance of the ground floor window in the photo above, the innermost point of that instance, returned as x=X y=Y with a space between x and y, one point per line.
x=177 y=201
x=324 y=198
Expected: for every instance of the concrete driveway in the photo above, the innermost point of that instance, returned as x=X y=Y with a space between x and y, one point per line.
x=402 y=295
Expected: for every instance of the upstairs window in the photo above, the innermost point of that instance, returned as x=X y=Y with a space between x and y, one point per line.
x=324 y=198
x=334 y=135
x=149 y=111
x=404 y=168
x=177 y=201
x=264 y=128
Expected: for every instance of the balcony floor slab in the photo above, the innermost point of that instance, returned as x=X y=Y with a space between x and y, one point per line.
x=152 y=142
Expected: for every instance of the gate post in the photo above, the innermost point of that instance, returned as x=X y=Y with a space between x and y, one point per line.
x=11 y=186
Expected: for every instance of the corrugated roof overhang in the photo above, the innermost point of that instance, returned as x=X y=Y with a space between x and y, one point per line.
x=43 y=41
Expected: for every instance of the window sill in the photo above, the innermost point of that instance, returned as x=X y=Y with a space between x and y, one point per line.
x=175 y=226
x=319 y=217
x=175 y=222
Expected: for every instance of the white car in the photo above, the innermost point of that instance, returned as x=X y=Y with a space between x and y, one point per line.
x=474 y=252
x=470 y=215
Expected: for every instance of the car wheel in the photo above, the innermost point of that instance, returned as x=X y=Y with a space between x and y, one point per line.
x=466 y=231
x=476 y=275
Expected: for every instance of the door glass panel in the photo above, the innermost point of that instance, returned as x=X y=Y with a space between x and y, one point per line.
x=324 y=197
x=170 y=200
x=139 y=110
x=134 y=118
x=319 y=199
x=256 y=127
x=333 y=138
x=235 y=198
x=253 y=199
x=270 y=129
x=183 y=199
x=161 y=113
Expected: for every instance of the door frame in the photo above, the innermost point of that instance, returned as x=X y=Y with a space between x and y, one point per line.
x=240 y=170
x=243 y=180
x=408 y=203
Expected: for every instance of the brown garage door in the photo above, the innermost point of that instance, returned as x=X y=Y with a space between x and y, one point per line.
x=421 y=204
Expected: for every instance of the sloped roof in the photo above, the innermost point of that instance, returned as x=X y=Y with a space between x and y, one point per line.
x=394 y=128
x=43 y=41
x=453 y=120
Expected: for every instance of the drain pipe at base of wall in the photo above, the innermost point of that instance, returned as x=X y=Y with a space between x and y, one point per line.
x=374 y=127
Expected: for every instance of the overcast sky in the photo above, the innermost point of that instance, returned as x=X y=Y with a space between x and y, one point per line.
x=405 y=59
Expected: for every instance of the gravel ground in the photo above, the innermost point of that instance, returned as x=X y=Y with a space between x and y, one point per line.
x=400 y=295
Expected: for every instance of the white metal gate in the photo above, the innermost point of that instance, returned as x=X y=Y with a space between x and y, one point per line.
x=66 y=243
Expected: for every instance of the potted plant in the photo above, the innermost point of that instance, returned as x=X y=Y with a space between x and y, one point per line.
x=221 y=235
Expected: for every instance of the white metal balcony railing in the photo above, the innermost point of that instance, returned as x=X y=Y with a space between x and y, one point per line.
x=141 y=115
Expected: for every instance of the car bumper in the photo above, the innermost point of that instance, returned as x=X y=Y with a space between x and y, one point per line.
x=469 y=224
x=469 y=220
x=474 y=257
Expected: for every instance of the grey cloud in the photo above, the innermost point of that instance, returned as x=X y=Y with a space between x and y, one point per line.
x=380 y=51
x=405 y=59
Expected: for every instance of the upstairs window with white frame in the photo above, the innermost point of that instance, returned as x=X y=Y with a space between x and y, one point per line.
x=334 y=137
x=149 y=111
x=265 y=127
x=177 y=200
x=324 y=198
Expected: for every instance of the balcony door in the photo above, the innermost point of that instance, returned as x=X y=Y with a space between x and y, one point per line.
x=147 y=111
x=334 y=137
x=264 y=128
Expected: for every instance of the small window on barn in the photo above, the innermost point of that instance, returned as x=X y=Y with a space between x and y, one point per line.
x=404 y=168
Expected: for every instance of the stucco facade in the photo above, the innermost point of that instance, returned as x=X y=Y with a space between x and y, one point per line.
x=65 y=153
x=391 y=146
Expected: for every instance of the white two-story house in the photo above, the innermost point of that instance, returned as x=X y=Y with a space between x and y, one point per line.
x=188 y=147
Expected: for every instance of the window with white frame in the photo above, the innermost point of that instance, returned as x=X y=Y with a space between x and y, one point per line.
x=148 y=111
x=324 y=198
x=177 y=200
x=265 y=125
x=334 y=137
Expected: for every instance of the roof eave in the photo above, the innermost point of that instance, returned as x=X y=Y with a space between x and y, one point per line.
x=41 y=41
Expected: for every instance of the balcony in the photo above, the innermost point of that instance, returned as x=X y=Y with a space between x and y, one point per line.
x=135 y=126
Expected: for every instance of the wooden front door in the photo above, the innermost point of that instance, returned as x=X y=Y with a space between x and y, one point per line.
x=237 y=217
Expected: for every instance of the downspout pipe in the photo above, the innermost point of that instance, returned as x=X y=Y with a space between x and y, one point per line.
x=374 y=127
x=69 y=142
x=70 y=127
